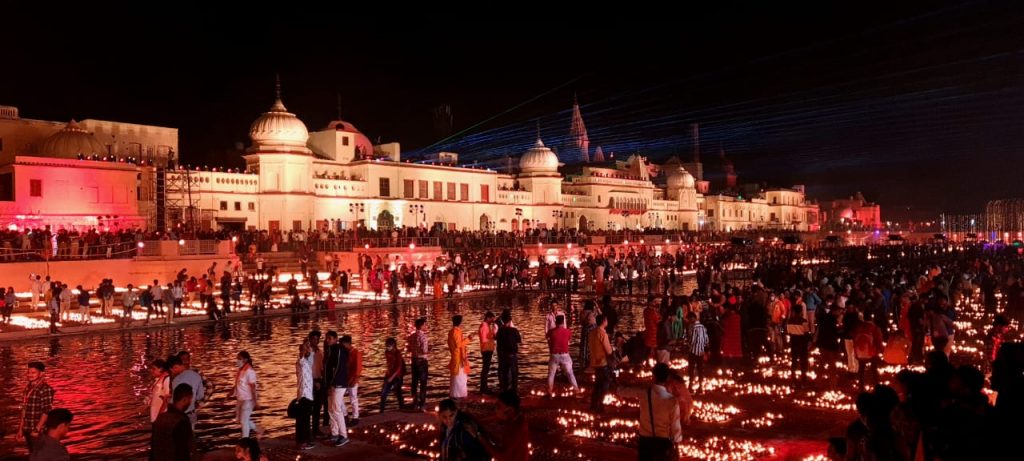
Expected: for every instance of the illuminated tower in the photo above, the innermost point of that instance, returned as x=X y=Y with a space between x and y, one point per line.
x=578 y=132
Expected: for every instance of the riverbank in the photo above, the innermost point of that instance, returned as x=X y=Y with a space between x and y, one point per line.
x=40 y=319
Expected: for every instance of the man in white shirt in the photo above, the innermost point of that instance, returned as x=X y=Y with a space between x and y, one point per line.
x=549 y=321
x=659 y=428
x=158 y=297
x=37 y=291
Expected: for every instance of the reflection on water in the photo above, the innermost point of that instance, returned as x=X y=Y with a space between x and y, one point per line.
x=103 y=379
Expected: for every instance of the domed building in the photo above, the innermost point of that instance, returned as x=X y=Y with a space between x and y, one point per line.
x=539 y=159
x=278 y=130
x=72 y=142
x=48 y=176
x=336 y=178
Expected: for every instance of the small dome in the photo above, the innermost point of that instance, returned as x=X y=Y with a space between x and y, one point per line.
x=539 y=159
x=71 y=142
x=278 y=127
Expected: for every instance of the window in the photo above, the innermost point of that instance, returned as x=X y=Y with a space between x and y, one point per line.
x=296 y=225
x=438 y=191
x=410 y=187
x=1 y=144
x=424 y=190
x=711 y=213
x=451 y=191
x=344 y=140
x=7 y=187
x=252 y=206
x=223 y=205
x=35 y=187
x=238 y=206
x=385 y=187
x=464 y=192
x=485 y=193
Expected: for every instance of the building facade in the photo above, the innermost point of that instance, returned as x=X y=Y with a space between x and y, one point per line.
x=335 y=178
x=853 y=212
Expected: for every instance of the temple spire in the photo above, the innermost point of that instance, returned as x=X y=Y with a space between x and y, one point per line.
x=578 y=132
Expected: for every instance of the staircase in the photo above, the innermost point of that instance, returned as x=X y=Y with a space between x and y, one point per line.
x=285 y=261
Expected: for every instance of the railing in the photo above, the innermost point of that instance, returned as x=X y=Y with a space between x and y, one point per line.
x=117 y=250
x=198 y=247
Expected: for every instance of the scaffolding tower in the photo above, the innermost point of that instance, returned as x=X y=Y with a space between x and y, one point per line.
x=179 y=201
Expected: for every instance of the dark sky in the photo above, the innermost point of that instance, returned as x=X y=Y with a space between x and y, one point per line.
x=920 y=107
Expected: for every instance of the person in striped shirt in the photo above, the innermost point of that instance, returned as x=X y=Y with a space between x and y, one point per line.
x=698 y=345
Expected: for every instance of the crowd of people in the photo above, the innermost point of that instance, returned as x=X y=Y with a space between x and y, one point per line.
x=900 y=305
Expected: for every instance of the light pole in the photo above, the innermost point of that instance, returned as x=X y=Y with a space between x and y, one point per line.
x=418 y=212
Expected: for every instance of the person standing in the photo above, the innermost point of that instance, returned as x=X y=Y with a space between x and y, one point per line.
x=128 y=301
x=180 y=374
x=54 y=304
x=47 y=446
x=867 y=346
x=659 y=429
x=393 y=374
x=549 y=319
x=304 y=420
x=336 y=378
x=458 y=365
x=247 y=398
x=83 y=305
x=488 y=331
x=508 y=340
x=799 y=343
x=355 y=372
x=158 y=297
x=177 y=296
x=419 y=349
x=172 y=438
x=37 y=291
x=160 y=391
x=600 y=350
x=698 y=347
x=319 y=388
x=558 y=348
x=36 y=403
x=106 y=294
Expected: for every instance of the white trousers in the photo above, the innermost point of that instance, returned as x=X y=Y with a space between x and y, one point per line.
x=353 y=397
x=336 y=407
x=563 y=361
x=243 y=411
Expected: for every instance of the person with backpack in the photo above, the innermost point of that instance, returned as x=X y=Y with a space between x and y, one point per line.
x=867 y=345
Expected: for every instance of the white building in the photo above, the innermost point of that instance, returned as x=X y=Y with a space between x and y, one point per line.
x=336 y=178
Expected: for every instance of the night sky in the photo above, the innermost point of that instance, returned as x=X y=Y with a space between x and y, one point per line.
x=919 y=107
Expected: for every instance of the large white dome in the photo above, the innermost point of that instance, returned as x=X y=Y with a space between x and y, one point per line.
x=680 y=179
x=71 y=142
x=278 y=128
x=539 y=159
